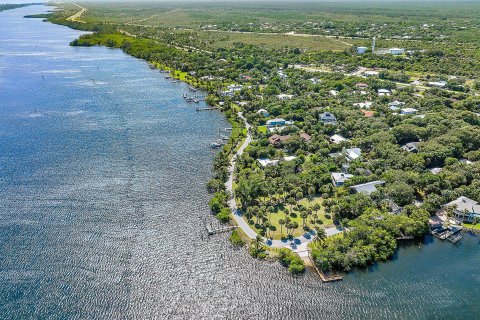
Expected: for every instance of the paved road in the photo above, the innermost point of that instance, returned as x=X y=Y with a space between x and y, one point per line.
x=298 y=244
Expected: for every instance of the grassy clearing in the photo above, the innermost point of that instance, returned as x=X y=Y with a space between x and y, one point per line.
x=294 y=215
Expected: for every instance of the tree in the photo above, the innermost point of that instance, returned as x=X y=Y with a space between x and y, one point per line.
x=304 y=216
x=281 y=222
x=320 y=235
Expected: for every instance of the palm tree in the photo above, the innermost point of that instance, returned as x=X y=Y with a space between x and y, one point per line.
x=257 y=242
x=304 y=216
x=281 y=222
x=266 y=227
x=321 y=235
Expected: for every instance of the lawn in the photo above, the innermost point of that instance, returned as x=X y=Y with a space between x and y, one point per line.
x=294 y=215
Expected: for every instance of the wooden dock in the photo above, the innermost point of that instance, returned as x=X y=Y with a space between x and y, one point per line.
x=207 y=109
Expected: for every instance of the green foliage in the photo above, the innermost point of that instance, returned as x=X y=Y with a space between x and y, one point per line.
x=235 y=239
x=291 y=260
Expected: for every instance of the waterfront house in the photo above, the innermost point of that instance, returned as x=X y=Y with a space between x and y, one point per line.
x=339 y=178
x=411 y=147
x=465 y=209
x=336 y=138
x=408 y=111
x=328 y=118
x=367 y=188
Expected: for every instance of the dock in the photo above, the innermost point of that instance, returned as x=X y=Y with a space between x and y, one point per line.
x=216 y=229
x=207 y=109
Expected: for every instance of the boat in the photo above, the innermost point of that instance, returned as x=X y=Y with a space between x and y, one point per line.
x=168 y=77
x=189 y=99
x=215 y=145
x=196 y=100
x=185 y=96
x=175 y=81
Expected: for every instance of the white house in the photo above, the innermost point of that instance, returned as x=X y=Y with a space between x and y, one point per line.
x=396 y=51
x=284 y=96
x=363 y=105
x=339 y=178
x=352 y=153
x=263 y=112
x=276 y=122
x=371 y=73
x=334 y=93
x=384 y=92
x=436 y=170
x=267 y=162
x=395 y=105
x=408 y=111
x=438 y=84
x=336 y=138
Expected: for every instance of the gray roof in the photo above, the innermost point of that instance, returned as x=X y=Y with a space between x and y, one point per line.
x=465 y=204
x=368 y=187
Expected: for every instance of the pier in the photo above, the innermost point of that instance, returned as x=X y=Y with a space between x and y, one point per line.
x=207 y=109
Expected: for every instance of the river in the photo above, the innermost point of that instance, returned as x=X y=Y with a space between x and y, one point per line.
x=102 y=203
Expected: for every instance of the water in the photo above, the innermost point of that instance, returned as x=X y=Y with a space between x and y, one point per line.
x=102 y=201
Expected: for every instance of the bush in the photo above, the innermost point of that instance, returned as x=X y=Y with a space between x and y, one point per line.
x=291 y=260
x=224 y=215
x=235 y=239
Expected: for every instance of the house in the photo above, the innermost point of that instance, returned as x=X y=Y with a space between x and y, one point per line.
x=363 y=105
x=436 y=170
x=235 y=87
x=395 y=105
x=289 y=158
x=384 y=92
x=396 y=51
x=408 y=111
x=328 y=118
x=371 y=73
x=267 y=162
x=334 y=93
x=284 y=96
x=339 y=178
x=352 y=153
x=411 y=147
x=263 y=112
x=305 y=137
x=315 y=80
x=361 y=50
x=277 y=140
x=367 y=188
x=276 y=122
x=367 y=113
x=465 y=161
x=438 y=84
x=361 y=86
x=336 y=138
x=465 y=209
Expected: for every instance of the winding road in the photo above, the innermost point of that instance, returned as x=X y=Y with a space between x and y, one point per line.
x=298 y=244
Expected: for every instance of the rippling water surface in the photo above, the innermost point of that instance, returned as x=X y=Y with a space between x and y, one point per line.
x=102 y=201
